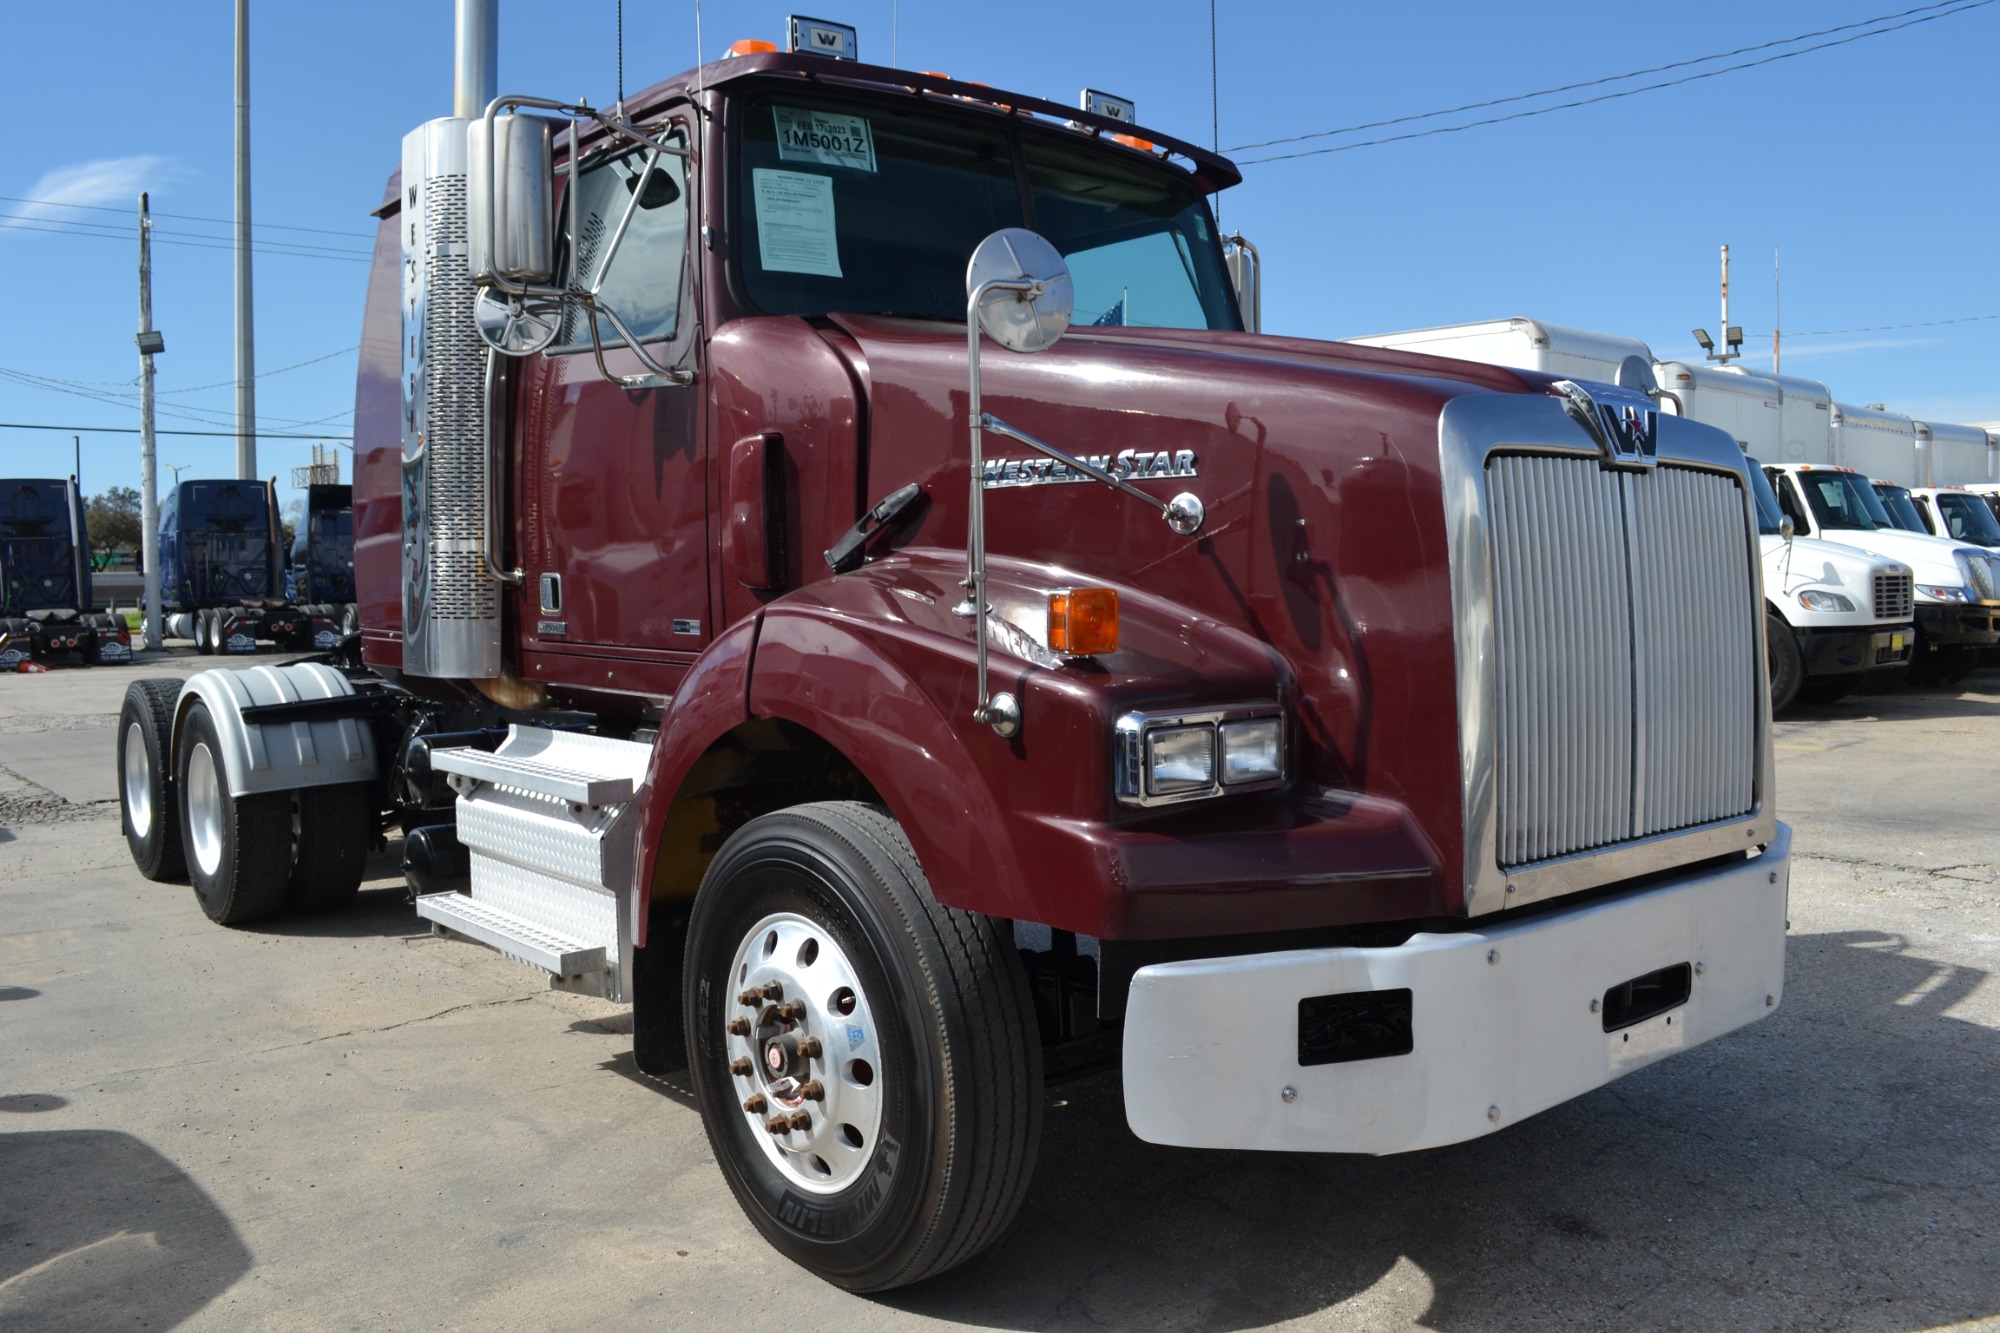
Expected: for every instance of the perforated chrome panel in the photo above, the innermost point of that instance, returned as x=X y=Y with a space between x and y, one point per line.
x=451 y=607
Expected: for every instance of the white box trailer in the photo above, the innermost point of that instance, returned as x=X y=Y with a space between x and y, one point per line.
x=1522 y=344
x=1876 y=443
x=1748 y=406
x=1951 y=455
x=1805 y=417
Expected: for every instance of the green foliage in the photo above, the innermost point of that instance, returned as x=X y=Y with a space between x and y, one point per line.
x=113 y=520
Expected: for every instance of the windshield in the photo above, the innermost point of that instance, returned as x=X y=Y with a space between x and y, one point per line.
x=1766 y=499
x=1901 y=508
x=1842 y=500
x=224 y=506
x=857 y=207
x=1968 y=518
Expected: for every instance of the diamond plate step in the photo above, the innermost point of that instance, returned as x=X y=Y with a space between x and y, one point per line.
x=528 y=775
x=511 y=935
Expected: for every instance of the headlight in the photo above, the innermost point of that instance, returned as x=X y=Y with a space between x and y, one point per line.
x=1824 y=601
x=1978 y=572
x=1168 y=757
x=1252 y=751
x=1938 y=593
x=1179 y=759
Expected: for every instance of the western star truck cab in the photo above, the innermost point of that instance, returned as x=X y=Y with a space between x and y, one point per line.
x=1957 y=584
x=222 y=567
x=836 y=573
x=46 y=607
x=322 y=565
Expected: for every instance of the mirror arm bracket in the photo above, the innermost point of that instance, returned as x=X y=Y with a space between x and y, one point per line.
x=1002 y=713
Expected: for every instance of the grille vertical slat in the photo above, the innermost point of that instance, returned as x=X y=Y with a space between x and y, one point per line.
x=1894 y=596
x=1626 y=659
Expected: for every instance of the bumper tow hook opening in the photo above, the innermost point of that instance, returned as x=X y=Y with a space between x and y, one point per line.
x=1633 y=1002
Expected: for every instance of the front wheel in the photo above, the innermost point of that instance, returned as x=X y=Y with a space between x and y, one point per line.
x=867 y=1061
x=1788 y=665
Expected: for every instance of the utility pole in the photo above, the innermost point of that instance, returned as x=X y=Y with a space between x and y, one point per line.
x=76 y=448
x=246 y=355
x=1725 y=295
x=150 y=342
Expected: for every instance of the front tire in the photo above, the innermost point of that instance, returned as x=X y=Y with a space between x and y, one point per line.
x=239 y=848
x=1787 y=664
x=913 y=1019
x=147 y=794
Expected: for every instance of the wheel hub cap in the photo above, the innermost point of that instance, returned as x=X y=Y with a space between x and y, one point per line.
x=204 y=807
x=801 y=1047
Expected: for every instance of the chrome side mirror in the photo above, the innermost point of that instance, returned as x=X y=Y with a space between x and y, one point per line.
x=1246 y=275
x=1786 y=528
x=510 y=201
x=1019 y=287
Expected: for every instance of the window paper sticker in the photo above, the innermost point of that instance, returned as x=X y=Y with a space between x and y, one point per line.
x=795 y=232
x=826 y=137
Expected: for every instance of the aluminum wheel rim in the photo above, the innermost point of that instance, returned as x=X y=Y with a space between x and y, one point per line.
x=138 y=782
x=204 y=807
x=817 y=998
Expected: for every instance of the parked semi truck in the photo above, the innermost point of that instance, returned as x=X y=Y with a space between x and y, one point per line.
x=1836 y=618
x=773 y=619
x=222 y=568
x=46 y=607
x=1957 y=583
x=322 y=564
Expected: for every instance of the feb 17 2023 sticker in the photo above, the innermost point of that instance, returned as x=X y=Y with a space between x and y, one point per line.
x=829 y=138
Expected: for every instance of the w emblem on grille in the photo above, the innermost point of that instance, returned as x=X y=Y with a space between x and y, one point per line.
x=1624 y=422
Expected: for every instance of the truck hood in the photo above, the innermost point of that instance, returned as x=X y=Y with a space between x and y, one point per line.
x=1810 y=562
x=1323 y=556
x=1932 y=559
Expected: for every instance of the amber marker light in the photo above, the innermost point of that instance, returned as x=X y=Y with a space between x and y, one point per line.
x=1083 y=622
x=750 y=46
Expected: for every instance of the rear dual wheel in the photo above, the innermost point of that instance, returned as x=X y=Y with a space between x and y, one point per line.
x=147 y=792
x=866 y=1060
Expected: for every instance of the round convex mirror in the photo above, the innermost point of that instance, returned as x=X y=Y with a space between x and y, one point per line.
x=514 y=327
x=1635 y=372
x=1029 y=318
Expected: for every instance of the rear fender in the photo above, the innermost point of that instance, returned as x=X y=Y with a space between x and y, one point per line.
x=280 y=756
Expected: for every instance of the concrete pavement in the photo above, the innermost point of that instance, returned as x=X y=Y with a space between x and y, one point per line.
x=348 y=1122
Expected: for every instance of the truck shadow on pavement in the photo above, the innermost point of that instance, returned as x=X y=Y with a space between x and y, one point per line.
x=97 y=1229
x=1831 y=1166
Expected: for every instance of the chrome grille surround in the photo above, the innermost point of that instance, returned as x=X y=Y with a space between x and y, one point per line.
x=1690 y=766
x=1895 y=597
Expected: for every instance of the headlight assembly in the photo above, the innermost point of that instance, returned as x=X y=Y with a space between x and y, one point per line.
x=1813 y=600
x=1162 y=758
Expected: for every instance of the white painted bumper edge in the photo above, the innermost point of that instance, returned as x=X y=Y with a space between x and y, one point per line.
x=1211 y=1045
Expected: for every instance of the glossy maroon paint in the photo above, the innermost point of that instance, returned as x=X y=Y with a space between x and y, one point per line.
x=1319 y=580
x=378 y=449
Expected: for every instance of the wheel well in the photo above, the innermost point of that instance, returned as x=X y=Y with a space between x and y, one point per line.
x=763 y=765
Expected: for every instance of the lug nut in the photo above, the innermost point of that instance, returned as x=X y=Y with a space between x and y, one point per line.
x=801 y=1120
x=773 y=990
x=755 y=1105
x=739 y=1027
x=793 y=1011
x=740 y=1066
x=778 y=1124
x=751 y=998
x=809 y=1049
x=812 y=1090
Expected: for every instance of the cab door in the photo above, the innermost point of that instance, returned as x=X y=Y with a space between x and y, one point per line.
x=614 y=512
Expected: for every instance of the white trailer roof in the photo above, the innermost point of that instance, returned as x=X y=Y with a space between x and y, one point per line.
x=1524 y=344
x=1795 y=386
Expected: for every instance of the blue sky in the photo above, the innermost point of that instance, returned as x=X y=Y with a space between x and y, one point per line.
x=1870 y=164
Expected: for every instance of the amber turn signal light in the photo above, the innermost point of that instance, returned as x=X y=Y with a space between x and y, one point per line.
x=1083 y=622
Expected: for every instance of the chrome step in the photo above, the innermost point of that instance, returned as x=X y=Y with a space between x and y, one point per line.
x=583 y=770
x=514 y=936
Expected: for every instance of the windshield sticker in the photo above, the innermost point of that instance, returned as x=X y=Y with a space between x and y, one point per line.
x=795 y=232
x=826 y=137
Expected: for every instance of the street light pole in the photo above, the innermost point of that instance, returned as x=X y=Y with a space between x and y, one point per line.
x=246 y=355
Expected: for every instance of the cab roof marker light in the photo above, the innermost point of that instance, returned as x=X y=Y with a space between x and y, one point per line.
x=751 y=46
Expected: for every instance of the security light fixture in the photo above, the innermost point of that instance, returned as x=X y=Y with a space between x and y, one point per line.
x=1707 y=343
x=1735 y=336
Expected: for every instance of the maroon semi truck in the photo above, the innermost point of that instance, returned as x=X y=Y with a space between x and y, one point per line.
x=837 y=574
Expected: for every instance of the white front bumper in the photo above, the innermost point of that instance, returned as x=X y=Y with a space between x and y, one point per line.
x=1502 y=1018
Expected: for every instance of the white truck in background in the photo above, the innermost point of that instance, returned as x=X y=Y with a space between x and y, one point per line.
x=1836 y=618
x=1957 y=604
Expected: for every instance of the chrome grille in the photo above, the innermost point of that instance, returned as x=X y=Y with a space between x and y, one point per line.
x=1627 y=667
x=1894 y=597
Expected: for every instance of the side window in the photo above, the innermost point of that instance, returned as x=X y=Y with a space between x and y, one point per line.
x=1788 y=500
x=639 y=277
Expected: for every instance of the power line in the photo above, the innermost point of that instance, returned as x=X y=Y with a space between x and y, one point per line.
x=125 y=232
x=1885 y=328
x=262 y=374
x=1587 y=83
x=333 y=436
x=1961 y=6
x=126 y=237
x=183 y=217
x=203 y=415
